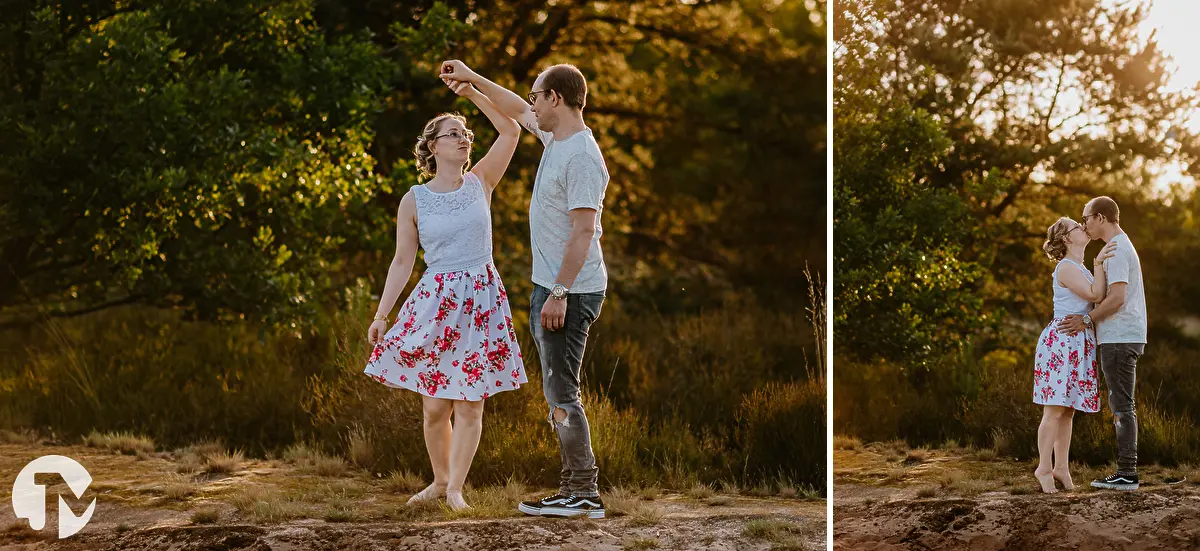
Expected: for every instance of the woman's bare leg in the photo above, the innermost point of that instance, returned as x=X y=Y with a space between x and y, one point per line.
x=438 y=434
x=1047 y=432
x=1062 y=449
x=468 y=424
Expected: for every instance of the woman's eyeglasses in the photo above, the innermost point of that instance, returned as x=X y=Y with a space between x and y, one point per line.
x=458 y=136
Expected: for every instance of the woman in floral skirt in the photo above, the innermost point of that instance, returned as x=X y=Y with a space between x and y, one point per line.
x=1064 y=373
x=453 y=341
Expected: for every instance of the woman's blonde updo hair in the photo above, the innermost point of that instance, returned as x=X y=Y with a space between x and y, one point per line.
x=425 y=161
x=1056 y=238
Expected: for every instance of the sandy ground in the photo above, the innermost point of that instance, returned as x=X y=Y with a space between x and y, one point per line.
x=133 y=512
x=887 y=498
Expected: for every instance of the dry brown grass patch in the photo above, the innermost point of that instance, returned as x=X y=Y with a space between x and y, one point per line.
x=361 y=447
x=224 y=462
x=123 y=442
x=619 y=501
x=404 y=482
x=700 y=491
x=846 y=443
x=646 y=514
x=178 y=487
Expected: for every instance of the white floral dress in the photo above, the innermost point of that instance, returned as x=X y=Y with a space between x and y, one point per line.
x=1064 y=369
x=454 y=336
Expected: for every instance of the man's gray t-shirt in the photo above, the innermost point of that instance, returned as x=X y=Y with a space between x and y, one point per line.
x=572 y=175
x=1128 y=324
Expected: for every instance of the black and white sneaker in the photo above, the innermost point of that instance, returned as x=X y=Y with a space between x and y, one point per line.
x=564 y=506
x=535 y=507
x=1121 y=482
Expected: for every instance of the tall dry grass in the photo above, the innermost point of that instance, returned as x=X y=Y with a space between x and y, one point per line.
x=685 y=400
x=985 y=400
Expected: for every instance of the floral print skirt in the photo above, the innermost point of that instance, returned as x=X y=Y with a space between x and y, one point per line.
x=1064 y=369
x=453 y=339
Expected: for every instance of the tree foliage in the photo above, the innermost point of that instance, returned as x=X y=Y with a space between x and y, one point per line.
x=246 y=159
x=963 y=130
x=203 y=155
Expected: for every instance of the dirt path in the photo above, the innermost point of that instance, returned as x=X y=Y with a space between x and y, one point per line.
x=890 y=498
x=146 y=503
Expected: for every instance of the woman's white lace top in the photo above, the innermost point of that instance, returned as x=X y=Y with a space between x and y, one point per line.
x=454 y=228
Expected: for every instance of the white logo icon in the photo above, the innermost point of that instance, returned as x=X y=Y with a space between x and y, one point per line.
x=29 y=498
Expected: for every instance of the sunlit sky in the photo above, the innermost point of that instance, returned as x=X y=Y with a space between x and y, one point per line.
x=1173 y=23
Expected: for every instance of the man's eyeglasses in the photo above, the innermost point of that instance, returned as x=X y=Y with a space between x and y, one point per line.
x=532 y=97
x=458 y=136
x=1086 y=216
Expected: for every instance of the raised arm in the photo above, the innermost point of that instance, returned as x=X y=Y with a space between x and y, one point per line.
x=401 y=267
x=491 y=167
x=513 y=106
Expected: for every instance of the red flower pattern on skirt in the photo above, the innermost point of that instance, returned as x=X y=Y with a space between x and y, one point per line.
x=443 y=343
x=1064 y=370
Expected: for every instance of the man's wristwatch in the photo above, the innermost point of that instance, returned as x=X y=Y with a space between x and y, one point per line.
x=558 y=292
x=1087 y=320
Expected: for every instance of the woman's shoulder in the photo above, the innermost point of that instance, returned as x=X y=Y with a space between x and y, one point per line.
x=1073 y=263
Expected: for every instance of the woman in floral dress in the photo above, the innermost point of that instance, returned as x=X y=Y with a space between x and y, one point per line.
x=453 y=341
x=1064 y=373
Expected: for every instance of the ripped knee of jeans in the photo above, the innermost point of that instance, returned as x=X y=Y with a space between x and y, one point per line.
x=560 y=414
x=1120 y=417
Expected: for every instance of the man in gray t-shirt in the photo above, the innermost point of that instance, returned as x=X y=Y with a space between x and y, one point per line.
x=1120 y=321
x=568 y=265
x=571 y=176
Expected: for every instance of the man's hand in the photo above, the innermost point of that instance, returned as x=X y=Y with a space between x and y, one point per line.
x=1108 y=252
x=457 y=71
x=554 y=313
x=1071 y=325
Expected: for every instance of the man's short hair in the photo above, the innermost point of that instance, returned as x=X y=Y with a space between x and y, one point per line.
x=568 y=82
x=1106 y=206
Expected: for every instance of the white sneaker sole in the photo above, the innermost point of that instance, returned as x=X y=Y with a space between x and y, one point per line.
x=1117 y=487
x=559 y=512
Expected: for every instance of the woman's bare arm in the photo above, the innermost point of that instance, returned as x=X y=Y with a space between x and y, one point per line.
x=406 y=255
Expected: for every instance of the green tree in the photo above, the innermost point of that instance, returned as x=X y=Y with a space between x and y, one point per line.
x=1040 y=105
x=151 y=141
x=203 y=155
x=711 y=116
